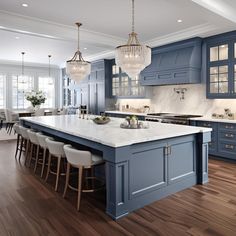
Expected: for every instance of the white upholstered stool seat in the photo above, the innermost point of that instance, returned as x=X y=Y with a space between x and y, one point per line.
x=43 y=144
x=55 y=150
x=16 y=128
x=81 y=160
x=25 y=142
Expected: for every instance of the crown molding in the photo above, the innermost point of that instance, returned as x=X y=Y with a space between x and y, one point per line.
x=27 y=64
x=219 y=7
x=182 y=34
x=33 y=26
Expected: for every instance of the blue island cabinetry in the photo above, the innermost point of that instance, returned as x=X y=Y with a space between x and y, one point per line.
x=153 y=164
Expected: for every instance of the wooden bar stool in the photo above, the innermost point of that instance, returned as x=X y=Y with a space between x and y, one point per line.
x=55 y=150
x=25 y=142
x=81 y=160
x=42 y=143
x=34 y=143
x=16 y=128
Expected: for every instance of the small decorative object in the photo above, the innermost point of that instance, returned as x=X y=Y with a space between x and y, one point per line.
x=133 y=57
x=36 y=98
x=231 y=116
x=133 y=123
x=77 y=68
x=101 y=120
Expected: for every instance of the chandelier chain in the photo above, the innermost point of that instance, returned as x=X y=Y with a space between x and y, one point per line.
x=132 y=15
x=22 y=65
x=49 y=65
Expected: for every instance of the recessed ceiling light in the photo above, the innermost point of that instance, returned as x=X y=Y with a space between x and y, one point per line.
x=179 y=21
x=17 y=37
x=24 y=5
x=85 y=48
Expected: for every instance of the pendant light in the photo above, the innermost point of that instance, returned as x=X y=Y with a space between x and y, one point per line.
x=133 y=57
x=49 y=70
x=22 y=77
x=77 y=68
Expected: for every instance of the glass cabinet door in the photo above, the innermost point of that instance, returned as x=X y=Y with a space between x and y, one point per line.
x=219 y=82
x=219 y=53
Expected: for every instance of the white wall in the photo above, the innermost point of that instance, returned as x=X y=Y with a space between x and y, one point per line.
x=166 y=100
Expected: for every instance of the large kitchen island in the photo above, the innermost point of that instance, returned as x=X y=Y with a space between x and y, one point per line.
x=142 y=165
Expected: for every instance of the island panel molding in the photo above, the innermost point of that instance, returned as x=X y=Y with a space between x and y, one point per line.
x=137 y=172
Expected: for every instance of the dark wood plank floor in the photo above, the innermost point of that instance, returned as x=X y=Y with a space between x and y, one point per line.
x=28 y=206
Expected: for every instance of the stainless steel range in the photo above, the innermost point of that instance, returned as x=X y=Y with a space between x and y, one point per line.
x=180 y=119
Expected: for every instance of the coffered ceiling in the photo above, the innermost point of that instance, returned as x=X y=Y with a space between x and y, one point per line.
x=47 y=27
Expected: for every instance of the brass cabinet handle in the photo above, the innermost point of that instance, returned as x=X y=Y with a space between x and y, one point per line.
x=228 y=146
x=167 y=150
x=229 y=135
x=210 y=144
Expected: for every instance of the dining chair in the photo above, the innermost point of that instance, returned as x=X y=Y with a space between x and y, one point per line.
x=82 y=160
x=39 y=112
x=11 y=119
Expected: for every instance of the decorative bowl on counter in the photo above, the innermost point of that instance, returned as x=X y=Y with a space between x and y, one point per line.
x=101 y=120
x=133 y=123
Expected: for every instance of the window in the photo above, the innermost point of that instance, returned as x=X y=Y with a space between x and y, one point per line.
x=2 y=91
x=46 y=84
x=21 y=85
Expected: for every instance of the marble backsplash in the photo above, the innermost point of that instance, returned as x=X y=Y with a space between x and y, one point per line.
x=165 y=99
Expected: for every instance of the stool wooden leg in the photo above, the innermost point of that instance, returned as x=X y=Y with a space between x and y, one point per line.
x=31 y=153
x=58 y=172
x=37 y=158
x=17 y=144
x=80 y=176
x=67 y=179
x=49 y=165
x=44 y=160
x=26 y=150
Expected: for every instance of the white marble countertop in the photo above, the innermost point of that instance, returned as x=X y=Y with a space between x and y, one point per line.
x=213 y=120
x=111 y=134
x=127 y=113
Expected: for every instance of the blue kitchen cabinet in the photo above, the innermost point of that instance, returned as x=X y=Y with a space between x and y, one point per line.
x=221 y=65
x=181 y=159
x=176 y=63
x=223 y=139
x=213 y=145
x=122 y=86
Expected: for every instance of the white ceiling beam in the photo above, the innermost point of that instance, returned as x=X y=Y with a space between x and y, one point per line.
x=225 y=9
x=40 y=28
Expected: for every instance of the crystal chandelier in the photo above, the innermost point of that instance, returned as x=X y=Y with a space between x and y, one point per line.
x=77 y=68
x=133 y=57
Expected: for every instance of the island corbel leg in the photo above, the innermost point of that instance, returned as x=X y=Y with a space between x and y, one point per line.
x=203 y=140
x=117 y=183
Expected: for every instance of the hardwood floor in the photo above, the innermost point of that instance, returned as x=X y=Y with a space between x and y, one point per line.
x=28 y=206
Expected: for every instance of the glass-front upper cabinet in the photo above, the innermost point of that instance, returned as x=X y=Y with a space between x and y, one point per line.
x=219 y=79
x=124 y=86
x=219 y=53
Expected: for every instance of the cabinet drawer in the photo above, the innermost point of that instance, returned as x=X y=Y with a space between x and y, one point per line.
x=227 y=148
x=227 y=135
x=227 y=126
x=205 y=124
